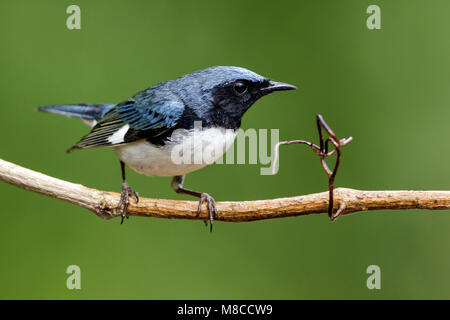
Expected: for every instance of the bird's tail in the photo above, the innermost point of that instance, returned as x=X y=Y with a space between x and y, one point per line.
x=90 y=113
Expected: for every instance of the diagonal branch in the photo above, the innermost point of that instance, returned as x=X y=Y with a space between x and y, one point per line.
x=103 y=203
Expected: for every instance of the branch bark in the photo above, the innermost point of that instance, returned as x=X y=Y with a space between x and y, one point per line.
x=103 y=203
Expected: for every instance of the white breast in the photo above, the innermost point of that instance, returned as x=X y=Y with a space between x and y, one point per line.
x=187 y=151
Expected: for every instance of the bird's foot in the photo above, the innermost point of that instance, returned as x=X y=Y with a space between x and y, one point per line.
x=124 y=199
x=212 y=210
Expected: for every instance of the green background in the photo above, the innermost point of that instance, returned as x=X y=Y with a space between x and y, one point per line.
x=387 y=88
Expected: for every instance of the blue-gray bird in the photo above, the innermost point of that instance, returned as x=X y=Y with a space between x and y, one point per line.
x=147 y=129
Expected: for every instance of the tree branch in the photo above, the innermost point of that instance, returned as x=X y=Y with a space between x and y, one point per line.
x=103 y=203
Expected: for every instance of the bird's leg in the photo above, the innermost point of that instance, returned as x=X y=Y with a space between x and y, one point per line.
x=126 y=193
x=177 y=185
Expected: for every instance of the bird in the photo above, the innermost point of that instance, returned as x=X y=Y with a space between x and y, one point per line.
x=146 y=129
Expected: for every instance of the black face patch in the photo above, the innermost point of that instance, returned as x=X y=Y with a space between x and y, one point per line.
x=236 y=97
x=231 y=100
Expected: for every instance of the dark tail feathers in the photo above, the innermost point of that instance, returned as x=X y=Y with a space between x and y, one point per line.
x=82 y=110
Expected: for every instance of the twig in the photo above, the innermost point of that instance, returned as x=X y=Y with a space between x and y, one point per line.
x=103 y=203
x=322 y=152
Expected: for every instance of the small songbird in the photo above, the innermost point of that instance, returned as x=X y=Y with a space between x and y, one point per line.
x=145 y=130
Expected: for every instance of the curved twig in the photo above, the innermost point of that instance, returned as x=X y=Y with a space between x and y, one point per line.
x=322 y=151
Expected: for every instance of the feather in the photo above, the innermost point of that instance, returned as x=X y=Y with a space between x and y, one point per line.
x=148 y=114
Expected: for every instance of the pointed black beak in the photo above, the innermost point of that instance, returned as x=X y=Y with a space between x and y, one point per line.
x=277 y=86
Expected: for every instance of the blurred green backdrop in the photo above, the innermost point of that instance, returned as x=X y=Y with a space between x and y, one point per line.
x=387 y=88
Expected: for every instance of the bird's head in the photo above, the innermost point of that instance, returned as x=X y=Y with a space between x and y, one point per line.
x=221 y=95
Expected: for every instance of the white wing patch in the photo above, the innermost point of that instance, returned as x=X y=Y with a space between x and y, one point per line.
x=119 y=135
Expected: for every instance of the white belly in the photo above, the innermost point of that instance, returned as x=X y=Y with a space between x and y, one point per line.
x=186 y=152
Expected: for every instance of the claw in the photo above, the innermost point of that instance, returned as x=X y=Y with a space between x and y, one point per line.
x=212 y=209
x=125 y=201
x=135 y=195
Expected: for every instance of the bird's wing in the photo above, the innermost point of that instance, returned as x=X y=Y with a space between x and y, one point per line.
x=147 y=115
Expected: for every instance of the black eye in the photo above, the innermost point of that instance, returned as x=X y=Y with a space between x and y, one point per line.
x=240 y=88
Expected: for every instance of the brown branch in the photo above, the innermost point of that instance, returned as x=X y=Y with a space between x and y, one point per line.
x=103 y=203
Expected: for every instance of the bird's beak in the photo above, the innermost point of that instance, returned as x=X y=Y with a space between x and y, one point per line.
x=277 y=86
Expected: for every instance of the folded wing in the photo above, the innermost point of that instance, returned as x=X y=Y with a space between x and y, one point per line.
x=149 y=114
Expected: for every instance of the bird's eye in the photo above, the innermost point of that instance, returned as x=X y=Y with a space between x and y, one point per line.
x=240 y=88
